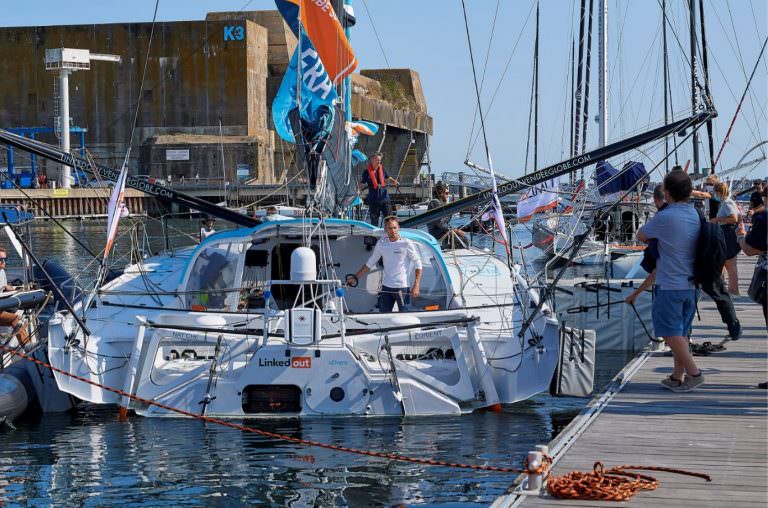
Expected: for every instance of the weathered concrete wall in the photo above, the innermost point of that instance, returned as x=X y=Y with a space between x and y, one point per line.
x=202 y=79
x=203 y=157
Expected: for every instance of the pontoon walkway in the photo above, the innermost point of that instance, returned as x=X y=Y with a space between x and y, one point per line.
x=720 y=429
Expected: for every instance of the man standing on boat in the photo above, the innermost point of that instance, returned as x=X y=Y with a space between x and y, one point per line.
x=376 y=178
x=398 y=255
x=677 y=229
x=441 y=229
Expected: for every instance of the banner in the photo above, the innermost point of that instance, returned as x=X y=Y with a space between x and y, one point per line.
x=537 y=202
x=316 y=90
x=319 y=21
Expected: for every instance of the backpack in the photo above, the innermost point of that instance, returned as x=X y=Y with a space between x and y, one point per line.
x=711 y=253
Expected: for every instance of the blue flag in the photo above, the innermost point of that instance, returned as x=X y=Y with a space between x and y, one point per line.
x=316 y=90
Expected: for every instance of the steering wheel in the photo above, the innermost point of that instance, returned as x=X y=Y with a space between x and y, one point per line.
x=354 y=278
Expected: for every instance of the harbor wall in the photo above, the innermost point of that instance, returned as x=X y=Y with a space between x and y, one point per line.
x=207 y=91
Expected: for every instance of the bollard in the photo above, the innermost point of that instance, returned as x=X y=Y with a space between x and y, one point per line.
x=534 y=480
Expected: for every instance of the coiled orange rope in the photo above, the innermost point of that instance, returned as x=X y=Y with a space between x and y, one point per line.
x=614 y=484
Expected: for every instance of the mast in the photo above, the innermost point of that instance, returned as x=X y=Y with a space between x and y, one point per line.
x=536 y=94
x=585 y=120
x=603 y=89
x=573 y=118
x=580 y=65
x=345 y=16
x=665 y=65
x=705 y=63
x=694 y=90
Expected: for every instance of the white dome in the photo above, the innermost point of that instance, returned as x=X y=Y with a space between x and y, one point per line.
x=303 y=264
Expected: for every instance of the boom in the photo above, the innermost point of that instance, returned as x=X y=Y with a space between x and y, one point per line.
x=561 y=168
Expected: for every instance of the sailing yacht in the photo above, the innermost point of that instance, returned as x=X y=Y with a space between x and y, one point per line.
x=256 y=321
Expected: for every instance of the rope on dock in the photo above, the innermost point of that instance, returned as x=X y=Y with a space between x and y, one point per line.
x=614 y=484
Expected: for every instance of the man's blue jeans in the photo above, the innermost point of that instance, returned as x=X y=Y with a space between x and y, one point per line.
x=388 y=296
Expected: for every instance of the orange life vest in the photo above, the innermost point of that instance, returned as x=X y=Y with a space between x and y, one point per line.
x=377 y=179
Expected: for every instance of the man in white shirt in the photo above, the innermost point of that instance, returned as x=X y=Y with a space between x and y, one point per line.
x=399 y=255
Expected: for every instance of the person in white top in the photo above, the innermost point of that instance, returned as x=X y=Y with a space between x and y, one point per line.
x=399 y=255
x=207 y=229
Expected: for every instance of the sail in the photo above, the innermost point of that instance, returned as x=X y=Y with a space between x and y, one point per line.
x=610 y=180
x=340 y=185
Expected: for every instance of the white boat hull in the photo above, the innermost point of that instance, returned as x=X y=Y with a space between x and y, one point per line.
x=459 y=353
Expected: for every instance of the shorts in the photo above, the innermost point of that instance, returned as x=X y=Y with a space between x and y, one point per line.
x=673 y=311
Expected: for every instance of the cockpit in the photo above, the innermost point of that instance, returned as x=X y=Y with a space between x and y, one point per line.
x=233 y=271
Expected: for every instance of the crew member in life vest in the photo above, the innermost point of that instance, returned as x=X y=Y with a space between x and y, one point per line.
x=376 y=178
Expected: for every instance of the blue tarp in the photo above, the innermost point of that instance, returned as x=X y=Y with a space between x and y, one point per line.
x=11 y=214
x=627 y=177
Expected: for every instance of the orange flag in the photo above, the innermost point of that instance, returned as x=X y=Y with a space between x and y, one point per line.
x=325 y=32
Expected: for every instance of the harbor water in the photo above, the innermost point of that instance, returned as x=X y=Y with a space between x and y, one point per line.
x=90 y=457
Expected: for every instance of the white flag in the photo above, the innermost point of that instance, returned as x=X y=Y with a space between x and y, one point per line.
x=116 y=208
x=495 y=212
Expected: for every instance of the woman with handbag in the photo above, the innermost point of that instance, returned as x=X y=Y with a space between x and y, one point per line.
x=756 y=244
x=728 y=218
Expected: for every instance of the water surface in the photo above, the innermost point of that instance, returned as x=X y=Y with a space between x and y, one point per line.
x=89 y=457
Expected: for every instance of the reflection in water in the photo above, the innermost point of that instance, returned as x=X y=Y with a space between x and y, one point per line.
x=90 y=457
x=69 y=459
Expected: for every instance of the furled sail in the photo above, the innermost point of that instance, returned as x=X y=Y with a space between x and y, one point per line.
x=340 y=183
x=610 y=180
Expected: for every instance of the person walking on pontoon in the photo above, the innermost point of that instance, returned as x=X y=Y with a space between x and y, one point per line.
x=677 y=230
x=398 y=255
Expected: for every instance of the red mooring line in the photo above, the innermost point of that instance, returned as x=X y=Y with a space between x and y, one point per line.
x=274 y=435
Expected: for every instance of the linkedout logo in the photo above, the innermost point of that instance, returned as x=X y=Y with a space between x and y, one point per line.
x=301 y=362
x=297 y=362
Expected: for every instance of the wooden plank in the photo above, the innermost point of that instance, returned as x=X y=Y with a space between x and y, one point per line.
x=721 y=429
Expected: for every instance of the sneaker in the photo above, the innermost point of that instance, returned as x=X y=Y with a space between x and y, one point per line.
x=693 y=382
x=673 y=384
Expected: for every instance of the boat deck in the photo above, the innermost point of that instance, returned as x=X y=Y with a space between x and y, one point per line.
x=720 y=430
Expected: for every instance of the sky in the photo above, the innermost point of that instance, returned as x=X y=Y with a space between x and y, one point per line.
x=429 y=36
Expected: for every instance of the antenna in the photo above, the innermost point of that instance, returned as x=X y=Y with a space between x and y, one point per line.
x=67 y=60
